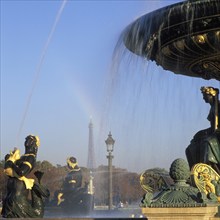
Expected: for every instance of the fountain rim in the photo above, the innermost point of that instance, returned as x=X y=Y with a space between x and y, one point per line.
x=152 y=32
x=157 y=16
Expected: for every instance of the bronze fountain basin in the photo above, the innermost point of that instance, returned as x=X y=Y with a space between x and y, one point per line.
x=183 y=38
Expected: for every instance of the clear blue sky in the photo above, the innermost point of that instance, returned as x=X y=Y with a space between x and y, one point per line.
x=152 y=115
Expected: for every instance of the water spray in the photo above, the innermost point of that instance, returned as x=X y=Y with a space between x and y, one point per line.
x=39 y=66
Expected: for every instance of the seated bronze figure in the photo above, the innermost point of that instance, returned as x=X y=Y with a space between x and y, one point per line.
x=74 y=196
x=205 y=145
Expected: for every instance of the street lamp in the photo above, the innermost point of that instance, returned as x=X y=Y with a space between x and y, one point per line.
x=110 y=146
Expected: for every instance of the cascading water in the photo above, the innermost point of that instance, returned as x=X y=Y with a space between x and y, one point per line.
x=181 y=38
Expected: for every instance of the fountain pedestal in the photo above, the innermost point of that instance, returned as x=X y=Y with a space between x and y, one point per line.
x=189 y=213
x=181 y=201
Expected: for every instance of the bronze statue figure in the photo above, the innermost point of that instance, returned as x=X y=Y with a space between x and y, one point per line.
x=205 y=145
x=74 y=196
x=210 y=95
x=72 y=183
x=17 y=203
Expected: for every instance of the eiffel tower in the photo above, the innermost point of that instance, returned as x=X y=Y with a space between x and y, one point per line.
x=91 y=150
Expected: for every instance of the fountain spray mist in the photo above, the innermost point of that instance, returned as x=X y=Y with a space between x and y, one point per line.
x=39 y=66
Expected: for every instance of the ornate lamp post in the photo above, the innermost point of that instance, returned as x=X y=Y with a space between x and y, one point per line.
x=110 y=146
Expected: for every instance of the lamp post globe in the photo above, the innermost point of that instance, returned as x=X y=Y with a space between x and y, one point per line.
x=110 y=143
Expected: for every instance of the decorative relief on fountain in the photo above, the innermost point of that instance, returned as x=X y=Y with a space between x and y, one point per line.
x=207 y=180
x=179 y=194
x=197 y=56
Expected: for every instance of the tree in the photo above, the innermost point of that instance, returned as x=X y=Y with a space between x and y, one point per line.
x=126 y=186
x=53 y=176
x=3 y=183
